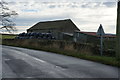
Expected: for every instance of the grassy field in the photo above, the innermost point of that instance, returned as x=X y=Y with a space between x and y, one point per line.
x=67 y=49
x=7 y=36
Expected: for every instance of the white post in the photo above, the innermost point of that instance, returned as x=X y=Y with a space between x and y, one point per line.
x=101 y=45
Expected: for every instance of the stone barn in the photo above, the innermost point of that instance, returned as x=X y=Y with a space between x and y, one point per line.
x=60 y=29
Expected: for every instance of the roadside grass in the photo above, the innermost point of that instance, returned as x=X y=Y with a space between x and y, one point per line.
x=101 y=59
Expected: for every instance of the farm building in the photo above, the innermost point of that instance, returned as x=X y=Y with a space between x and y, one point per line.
x=91 y=37
x=109 y=40
x=61 y=29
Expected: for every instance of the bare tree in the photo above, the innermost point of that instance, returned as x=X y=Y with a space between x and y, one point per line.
x=6 y=17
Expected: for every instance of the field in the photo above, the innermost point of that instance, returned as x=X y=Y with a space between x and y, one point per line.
x=7 y=36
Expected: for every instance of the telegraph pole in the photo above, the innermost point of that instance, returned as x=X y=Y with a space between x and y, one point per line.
x=118 y=32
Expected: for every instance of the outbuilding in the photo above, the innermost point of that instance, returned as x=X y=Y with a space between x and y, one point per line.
x=58 y=28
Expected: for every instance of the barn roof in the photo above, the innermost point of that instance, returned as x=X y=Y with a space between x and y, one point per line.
x=58 y=24
x=95 y=34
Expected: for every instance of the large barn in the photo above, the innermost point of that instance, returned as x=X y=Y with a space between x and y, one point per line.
x=59 y=28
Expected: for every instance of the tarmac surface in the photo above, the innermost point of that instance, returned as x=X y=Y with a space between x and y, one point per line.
x=27 y=63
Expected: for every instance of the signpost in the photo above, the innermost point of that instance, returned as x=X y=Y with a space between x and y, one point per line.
x=101 y=33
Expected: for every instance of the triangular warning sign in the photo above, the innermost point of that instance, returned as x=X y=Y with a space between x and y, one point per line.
x=100 y=31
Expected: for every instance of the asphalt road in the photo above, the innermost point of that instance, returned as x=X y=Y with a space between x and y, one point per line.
x=27 y=63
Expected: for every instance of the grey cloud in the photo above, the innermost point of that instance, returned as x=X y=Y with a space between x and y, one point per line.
x=90 y=4
x=74 y=6
x=109 y=4
x=84 y=6
x=23 y=2
x=64 y=0
x=11 y=3
x=97 y=4
x=52 y=6
x=16 y=3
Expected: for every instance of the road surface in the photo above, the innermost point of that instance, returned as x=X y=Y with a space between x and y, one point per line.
x=27 y=63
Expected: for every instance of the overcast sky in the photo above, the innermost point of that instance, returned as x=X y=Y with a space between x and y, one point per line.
x=86 y=14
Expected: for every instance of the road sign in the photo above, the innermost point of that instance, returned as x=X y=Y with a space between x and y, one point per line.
x=101 y=33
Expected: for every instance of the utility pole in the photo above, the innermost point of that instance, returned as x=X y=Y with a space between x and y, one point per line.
x=118 y=32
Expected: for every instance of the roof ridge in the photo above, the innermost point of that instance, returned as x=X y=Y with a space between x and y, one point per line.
x=54 y=20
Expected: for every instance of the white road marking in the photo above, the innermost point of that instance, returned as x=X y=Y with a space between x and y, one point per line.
x=31 y=57
x=39 y=60
x=7 y=59
x=59 y=67
x=29 y=77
